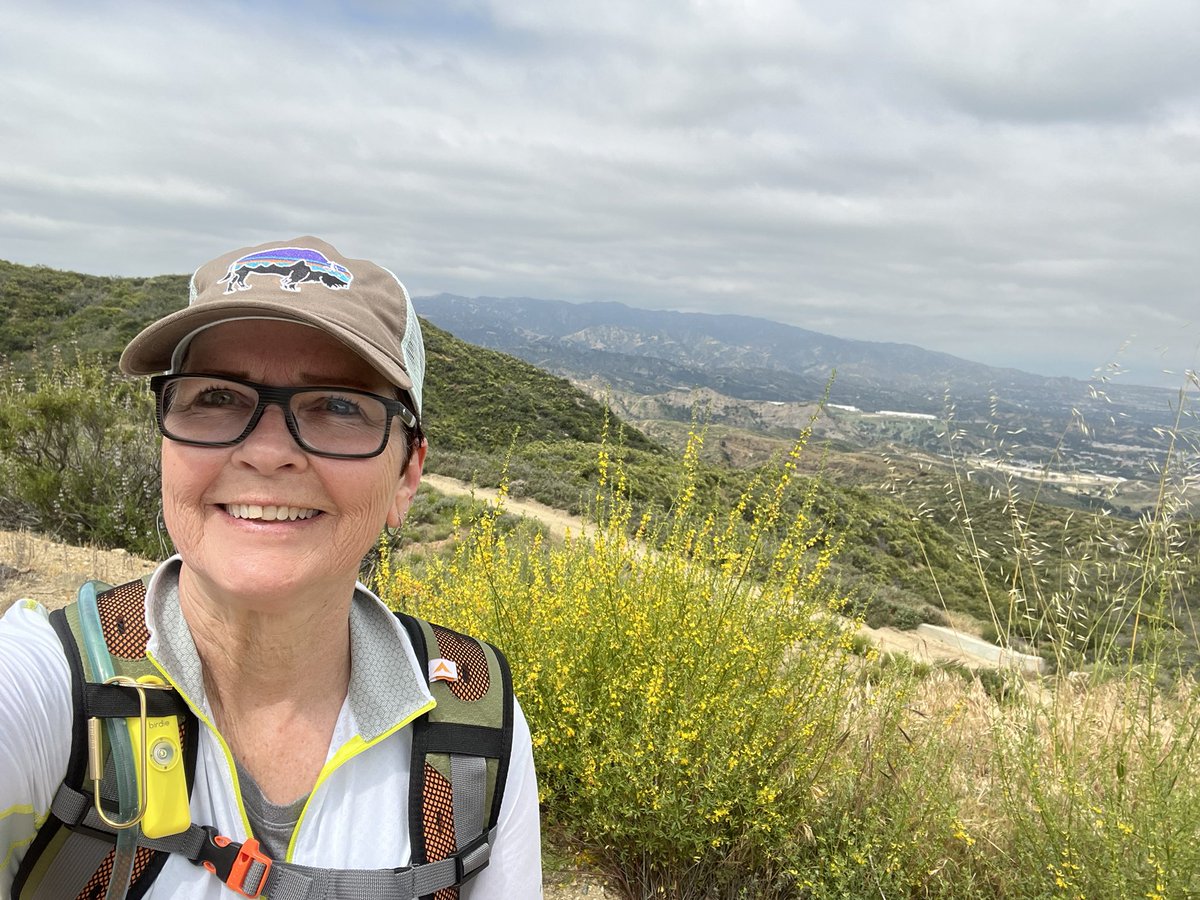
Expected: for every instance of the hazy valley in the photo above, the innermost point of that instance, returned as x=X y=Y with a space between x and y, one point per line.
x=758 y=383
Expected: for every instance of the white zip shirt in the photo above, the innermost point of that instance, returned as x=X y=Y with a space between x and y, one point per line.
x=357 y=814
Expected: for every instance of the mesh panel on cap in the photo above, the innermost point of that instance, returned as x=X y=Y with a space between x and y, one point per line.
x=414 y=355
x=412 y=347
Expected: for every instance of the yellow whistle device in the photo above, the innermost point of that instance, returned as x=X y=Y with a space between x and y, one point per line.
x=160 y=772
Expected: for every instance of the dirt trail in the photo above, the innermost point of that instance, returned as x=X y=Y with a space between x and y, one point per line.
x=555 y=520
x=50 y=572
x=890 y=640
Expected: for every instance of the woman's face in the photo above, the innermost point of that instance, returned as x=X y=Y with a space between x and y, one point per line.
x=214 y=497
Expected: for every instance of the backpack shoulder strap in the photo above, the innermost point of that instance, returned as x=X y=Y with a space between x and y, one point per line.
x=460 y=761
x=65 y=860
x=461 y=748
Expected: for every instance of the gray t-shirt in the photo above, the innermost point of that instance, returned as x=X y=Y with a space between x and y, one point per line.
x=271 y=823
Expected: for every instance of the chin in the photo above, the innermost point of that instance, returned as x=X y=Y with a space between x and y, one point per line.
x=267 y=583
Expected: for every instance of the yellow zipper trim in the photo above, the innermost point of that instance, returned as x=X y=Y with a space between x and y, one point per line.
x=346 y=752
x=38 y=822
x=232 y=766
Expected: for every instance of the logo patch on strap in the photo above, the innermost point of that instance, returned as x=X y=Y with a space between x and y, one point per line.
x=293 y=266
x=443 y=670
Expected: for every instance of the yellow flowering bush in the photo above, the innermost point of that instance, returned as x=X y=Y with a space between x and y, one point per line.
x=706 y=727
x=682 y=710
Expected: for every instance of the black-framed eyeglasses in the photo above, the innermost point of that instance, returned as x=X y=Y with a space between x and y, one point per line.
x=220 y=411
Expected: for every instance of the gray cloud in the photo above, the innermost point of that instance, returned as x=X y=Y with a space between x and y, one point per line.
x=1013 y=184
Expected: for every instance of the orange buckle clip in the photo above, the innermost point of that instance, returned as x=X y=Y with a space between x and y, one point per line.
x=238 y=860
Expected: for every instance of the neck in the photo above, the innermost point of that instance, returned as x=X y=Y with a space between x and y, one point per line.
x=251 y=651
x=275 y=674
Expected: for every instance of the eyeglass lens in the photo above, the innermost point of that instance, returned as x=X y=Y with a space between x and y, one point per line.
x=209 y=410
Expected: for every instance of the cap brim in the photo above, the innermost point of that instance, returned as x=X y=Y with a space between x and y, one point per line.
x=150 y=351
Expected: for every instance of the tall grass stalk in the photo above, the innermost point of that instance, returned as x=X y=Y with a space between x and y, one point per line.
x=703 y=727
x=1090 y=783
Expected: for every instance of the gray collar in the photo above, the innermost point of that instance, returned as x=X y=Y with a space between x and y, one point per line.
x=387 y=686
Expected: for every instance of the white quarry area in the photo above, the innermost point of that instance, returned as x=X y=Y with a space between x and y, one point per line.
x=895 y=414
x=883 y=413
x=1035 y=473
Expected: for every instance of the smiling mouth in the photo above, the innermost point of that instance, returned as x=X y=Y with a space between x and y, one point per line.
x=269 y=513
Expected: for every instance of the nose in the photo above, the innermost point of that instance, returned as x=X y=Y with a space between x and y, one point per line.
x=270 y=444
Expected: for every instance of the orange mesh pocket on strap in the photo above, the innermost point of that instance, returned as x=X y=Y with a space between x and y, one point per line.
x=473 y=677
x=98 y=884
x=437 y=811
x=123 y=617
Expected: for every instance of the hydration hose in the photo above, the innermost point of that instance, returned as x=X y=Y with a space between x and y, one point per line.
x=121 y=745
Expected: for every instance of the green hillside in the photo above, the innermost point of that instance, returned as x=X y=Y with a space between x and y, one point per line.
x=42 y=307
x=489 y=417
x=477 y=399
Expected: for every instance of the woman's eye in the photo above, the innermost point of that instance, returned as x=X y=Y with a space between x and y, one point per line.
x=341 y=406
x=216 y=397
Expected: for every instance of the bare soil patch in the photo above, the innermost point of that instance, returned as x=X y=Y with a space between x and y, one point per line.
x=38 y=568
x=918 y=646
x=557 y=522
x=576 y=886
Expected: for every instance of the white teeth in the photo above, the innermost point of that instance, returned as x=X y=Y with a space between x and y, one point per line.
x=268 y=513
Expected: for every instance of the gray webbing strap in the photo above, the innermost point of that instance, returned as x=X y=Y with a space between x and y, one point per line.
x=468 y=780
x=70 y=805
x=288 y=881
x=75 y=808
x=77 y=861
x=284 y=881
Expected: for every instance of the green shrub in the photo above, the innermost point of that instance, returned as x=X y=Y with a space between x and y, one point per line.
x=906 y=618
x=79 y=455
x=700 y=732
x=681 y=712
x=879 y=612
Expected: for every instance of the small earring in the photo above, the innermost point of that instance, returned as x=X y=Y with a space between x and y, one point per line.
x=164 y=537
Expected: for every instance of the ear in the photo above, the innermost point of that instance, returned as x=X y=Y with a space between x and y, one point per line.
x=406 y=487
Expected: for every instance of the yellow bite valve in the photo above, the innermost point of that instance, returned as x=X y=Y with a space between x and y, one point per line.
x=161 y=769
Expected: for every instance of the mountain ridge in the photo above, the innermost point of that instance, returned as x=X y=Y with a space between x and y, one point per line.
x=672 y=357
x=730 y=342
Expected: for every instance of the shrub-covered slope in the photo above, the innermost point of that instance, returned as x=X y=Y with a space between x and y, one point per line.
x=489 y=416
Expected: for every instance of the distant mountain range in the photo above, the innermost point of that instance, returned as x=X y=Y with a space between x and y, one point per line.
x=652 y=352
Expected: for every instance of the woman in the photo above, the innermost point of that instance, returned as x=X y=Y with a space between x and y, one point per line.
x=291 y=419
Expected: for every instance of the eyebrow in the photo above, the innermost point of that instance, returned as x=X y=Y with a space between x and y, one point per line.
x=310 y=378
x=304 y=378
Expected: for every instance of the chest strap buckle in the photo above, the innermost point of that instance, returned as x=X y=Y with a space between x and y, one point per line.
x=243 y=867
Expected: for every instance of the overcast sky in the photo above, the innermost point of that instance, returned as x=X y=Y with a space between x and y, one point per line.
x=1014 y=183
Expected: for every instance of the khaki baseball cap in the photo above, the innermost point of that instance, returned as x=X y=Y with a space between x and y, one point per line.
x=304 y=280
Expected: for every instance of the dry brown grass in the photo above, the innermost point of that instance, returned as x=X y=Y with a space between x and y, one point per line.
x=51 y=572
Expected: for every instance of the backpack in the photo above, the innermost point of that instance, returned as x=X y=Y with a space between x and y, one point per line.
x=460 y=757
